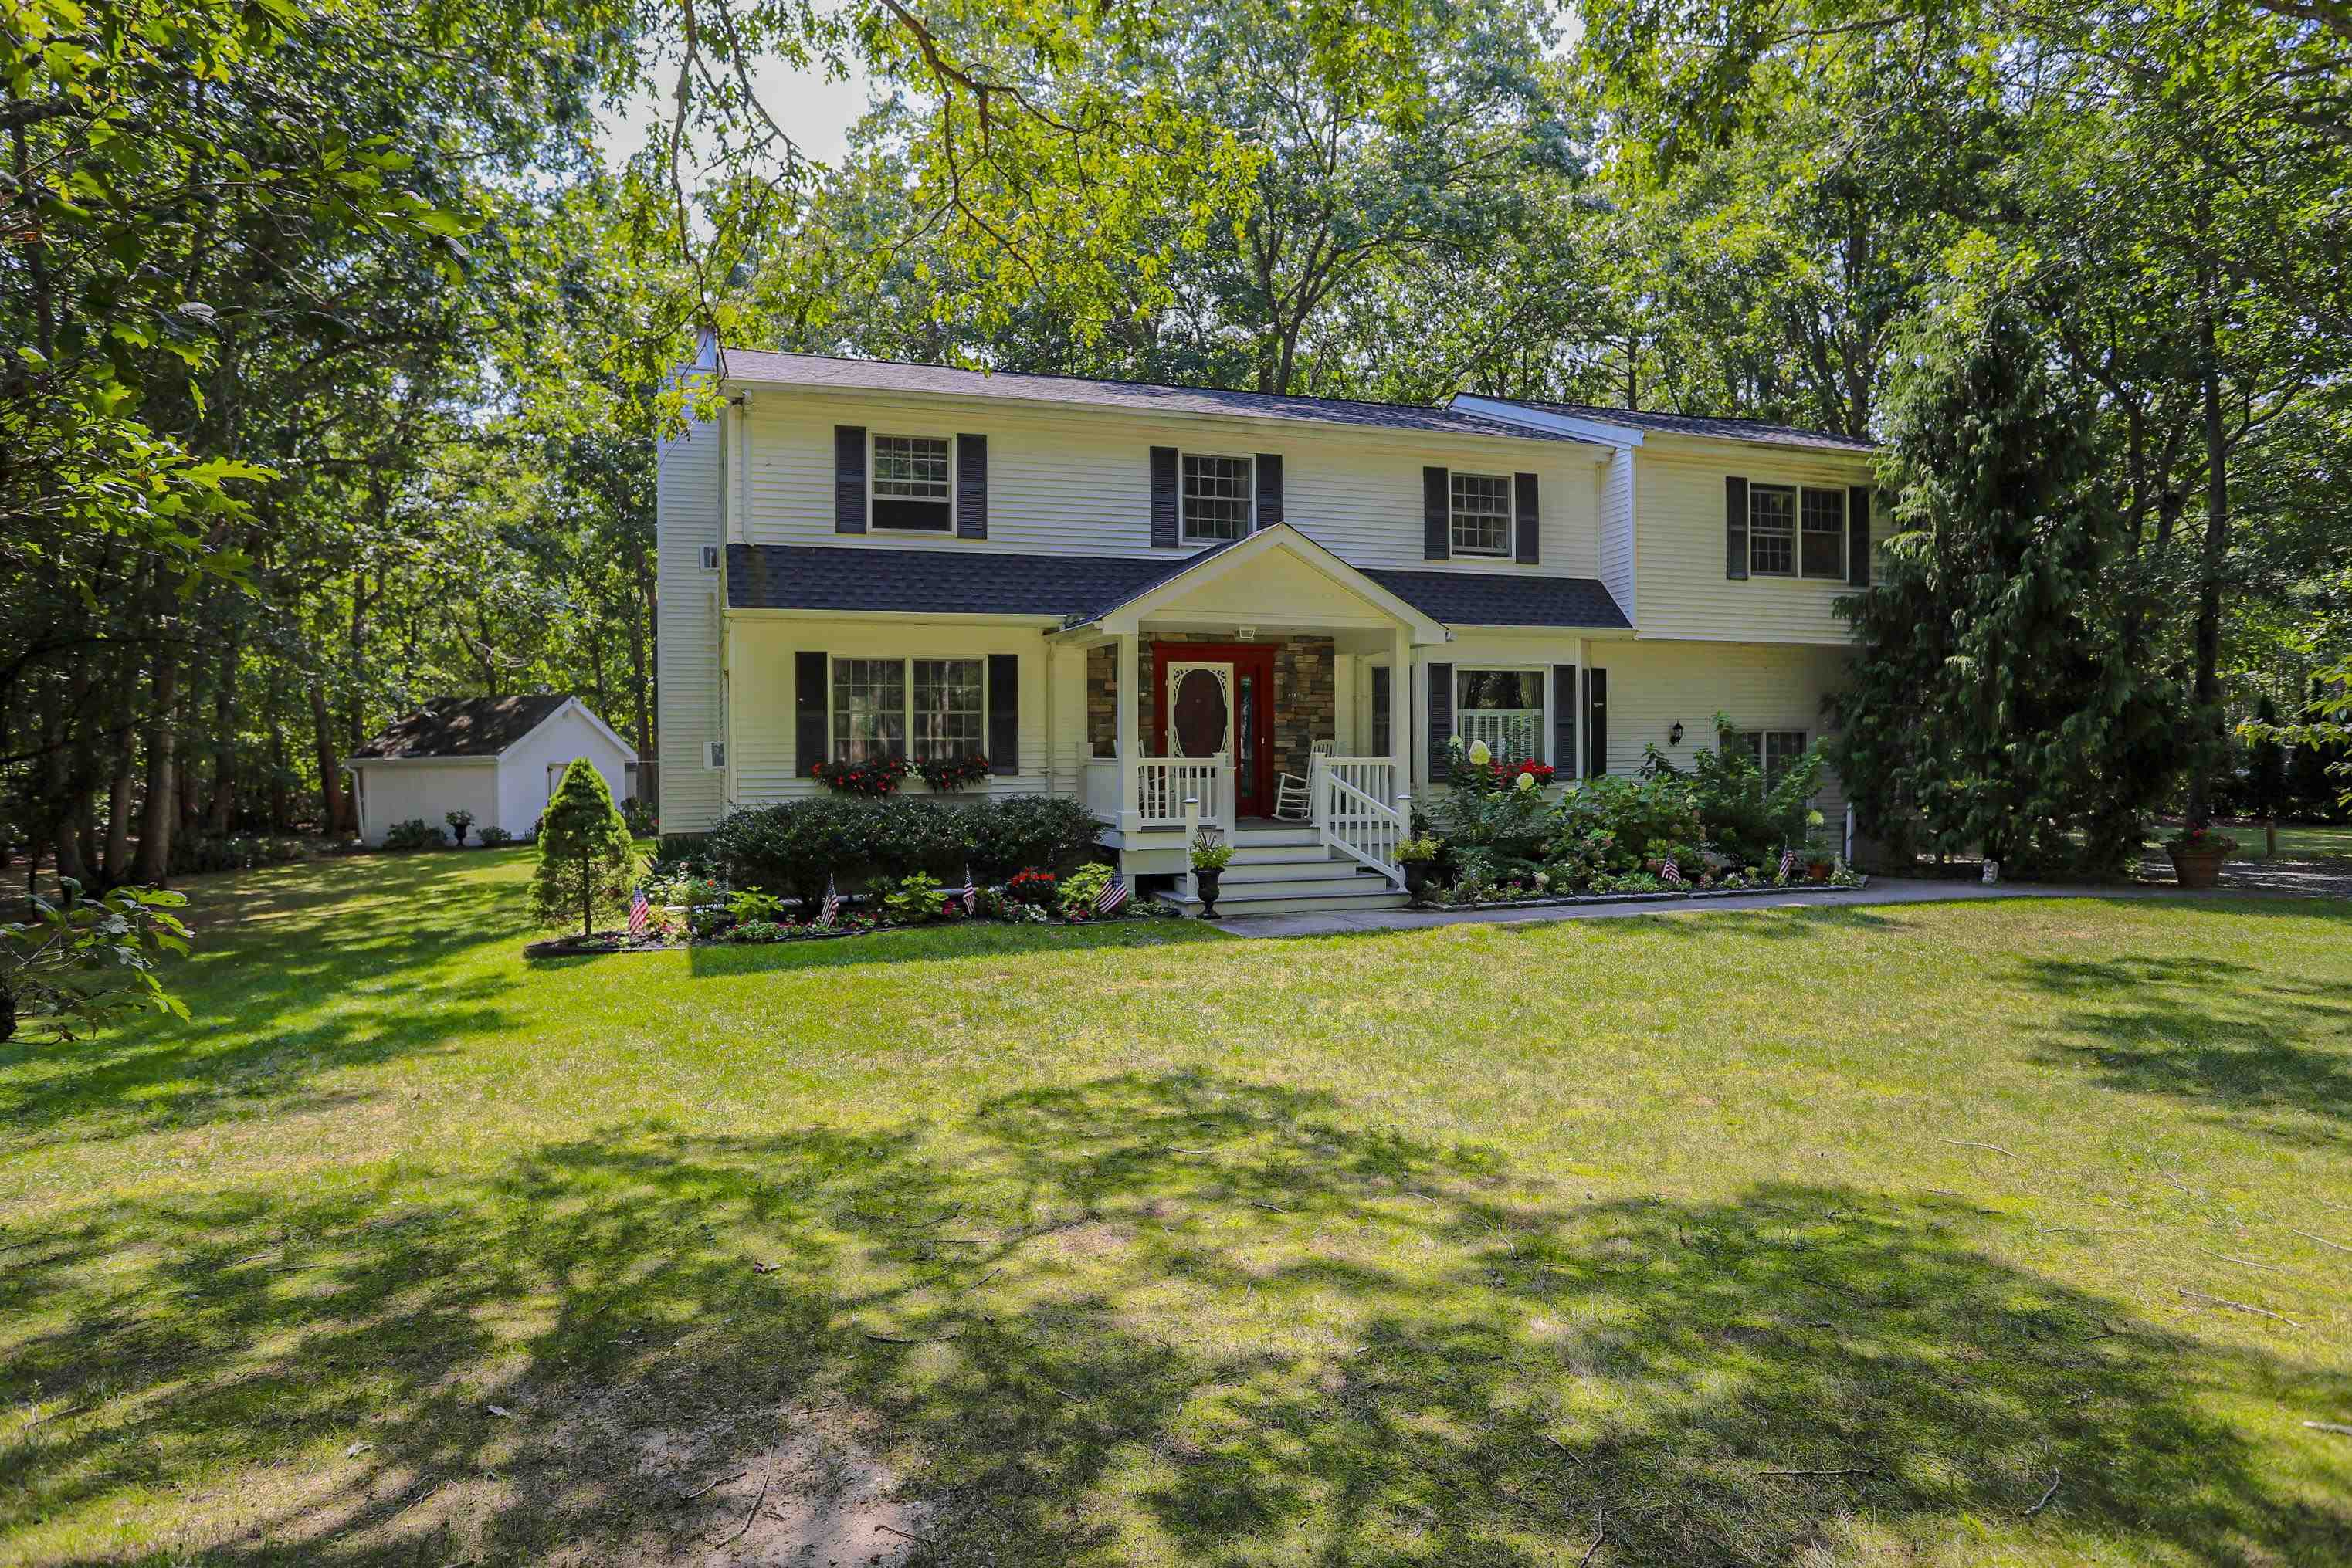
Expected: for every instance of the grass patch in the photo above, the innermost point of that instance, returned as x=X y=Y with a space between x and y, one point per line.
x=2296 y=841
x=1805 y=1236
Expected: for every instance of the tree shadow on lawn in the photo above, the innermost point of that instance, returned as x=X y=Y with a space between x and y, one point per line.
x=374 y=933
x=1214 y=1313
x=2216 y=1034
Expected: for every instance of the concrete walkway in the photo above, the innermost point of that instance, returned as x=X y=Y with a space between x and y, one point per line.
x=1880 y=892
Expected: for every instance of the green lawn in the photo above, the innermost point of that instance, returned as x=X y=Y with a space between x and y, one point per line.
x=2296 y=841
x=1802 y=1238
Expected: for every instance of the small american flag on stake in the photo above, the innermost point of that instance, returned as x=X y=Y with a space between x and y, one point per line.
x=968 y=891
x=832 y=905
x=640 y=912
x=1669 y=874
x=1788 y=864
x=1113 y=894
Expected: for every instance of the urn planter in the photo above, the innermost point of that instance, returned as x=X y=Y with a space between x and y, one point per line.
x=2195 y=865
x=1206 y=882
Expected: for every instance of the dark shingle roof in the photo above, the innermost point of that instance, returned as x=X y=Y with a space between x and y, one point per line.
x=1141 y=397
x=463 y=726
x=1505 y=598
x=1080 y=588
x=1695 y=424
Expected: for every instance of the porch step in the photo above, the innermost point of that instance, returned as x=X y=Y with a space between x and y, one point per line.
x=1249 y=853
x=1286 y=836
x=1288 y=871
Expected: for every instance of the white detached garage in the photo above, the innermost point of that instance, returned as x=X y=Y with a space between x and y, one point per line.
x=499 y=757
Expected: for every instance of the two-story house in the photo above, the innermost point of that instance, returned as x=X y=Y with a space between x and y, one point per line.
x=1266 y=613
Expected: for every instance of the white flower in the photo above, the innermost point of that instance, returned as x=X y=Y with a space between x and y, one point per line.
x=1527 y=780
x=1479 y=754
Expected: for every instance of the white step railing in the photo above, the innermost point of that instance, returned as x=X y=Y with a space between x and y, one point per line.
x=1162 y=785
x=1355 y=824
x=1375 y=776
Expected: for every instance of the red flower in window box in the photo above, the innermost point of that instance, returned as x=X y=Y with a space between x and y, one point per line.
x=880 y=776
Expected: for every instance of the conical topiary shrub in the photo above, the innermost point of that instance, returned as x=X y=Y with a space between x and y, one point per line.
x=587 y=862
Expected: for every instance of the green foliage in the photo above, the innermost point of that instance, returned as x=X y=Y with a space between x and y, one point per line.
x=493 y=837
x=415 y=833
x=1082 y=887
x=461 y=822
x=75 y=963
x=643 y=822
x=587 y=859
x=198 y=855
x=914 y=898
x=794 y=846
x=1506 y=823
x=2004 y=692
x=1211 y=855
x=1738 y=815
x=1612 y=823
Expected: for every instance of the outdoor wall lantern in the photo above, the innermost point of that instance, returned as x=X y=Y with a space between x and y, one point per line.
x=1675 y=735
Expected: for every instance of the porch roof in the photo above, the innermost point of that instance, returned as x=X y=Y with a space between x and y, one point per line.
x=1075 y=589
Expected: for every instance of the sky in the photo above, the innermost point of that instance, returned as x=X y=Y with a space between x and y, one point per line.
x=815 y=112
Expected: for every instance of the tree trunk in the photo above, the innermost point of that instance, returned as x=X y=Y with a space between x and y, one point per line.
x=2207 y=697
x=153 y=864
x=118 y=814
x=587 y=895
x=280 y=810
x=331 y=783
x=67 y=847
x=640 y=616
x=224 y=801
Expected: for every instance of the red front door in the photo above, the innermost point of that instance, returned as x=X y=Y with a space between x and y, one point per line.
x=1221 y=700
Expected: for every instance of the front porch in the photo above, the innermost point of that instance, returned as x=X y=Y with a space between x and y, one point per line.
x=1258 y=692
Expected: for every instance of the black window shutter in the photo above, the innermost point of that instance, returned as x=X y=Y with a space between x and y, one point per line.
x=1857 y=537
x=1441 y=715
x=972 y=487
x=849 y=478
x=1437 y=515
x=1269 y=488
x=1563 y=719
x=1383 y=716
x=808 y=712
x=1004 y=712
x=1523 y=487
x=1735 y=528
x=1163 y=496
x=1596 y=722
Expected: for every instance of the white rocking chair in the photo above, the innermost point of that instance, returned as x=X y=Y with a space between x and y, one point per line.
x=1292 y=802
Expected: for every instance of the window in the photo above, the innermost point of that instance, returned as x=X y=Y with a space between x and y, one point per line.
x=1772 y=750
x=1772 y=530
x=1482 y=514
x=1216 y=498
x=948 y=708
x=1823 y=545
x=710 y=557
x=1505 y=708
x=911 y=483
x=879 y=705
x=717 y=754
x=869 y=709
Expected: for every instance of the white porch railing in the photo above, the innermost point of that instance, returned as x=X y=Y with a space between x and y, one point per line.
x=1155 y=800
x=1162 y=785
x=1511 y=734
x=1352 y=820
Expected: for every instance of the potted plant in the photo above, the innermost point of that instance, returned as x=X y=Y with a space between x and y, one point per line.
x=1210 y=859
x=1818 y=861
x=460 y=820
x=2197 y=855
x=1418 y=857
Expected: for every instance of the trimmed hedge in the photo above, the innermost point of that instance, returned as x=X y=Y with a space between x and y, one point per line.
x=793 y=848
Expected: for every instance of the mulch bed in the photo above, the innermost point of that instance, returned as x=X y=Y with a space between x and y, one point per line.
x=1800 y=889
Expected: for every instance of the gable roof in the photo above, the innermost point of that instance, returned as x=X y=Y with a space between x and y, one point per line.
x=1240 y=555
x=462 y=726
x=1664 y=423
x=1137 y=397
x=1073 y=590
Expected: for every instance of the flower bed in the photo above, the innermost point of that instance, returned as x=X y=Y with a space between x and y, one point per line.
x=1835 y=883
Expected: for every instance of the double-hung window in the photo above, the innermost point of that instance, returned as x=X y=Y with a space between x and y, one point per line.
x=1773 y=751
x=1216 y=498
x=1772 y=530
x=1822 y=545
x=913 y=482
x=921 y=709
x=1505 y=708
x=1482 y=514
